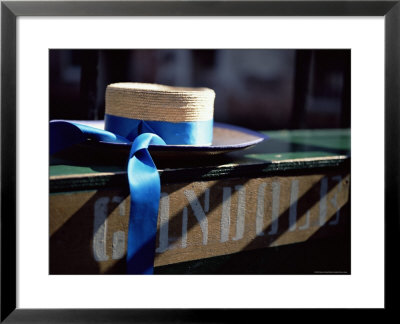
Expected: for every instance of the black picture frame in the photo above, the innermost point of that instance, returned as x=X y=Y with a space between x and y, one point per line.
x=10 y=10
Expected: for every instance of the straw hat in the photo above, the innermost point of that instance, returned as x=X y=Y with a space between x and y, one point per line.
x=154 y=103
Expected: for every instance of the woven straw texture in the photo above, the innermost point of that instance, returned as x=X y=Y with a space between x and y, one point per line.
x=159 y=102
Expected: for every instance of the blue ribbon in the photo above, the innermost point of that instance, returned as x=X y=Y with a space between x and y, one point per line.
x=143 y=177
x=188 y=133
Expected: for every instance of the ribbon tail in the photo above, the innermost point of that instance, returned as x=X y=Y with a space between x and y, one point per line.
x=144 y=185
x=65 y=134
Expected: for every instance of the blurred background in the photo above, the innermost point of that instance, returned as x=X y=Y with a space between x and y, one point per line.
x=258 y=89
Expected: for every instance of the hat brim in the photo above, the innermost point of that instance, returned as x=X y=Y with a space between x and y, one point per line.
x=226 y=138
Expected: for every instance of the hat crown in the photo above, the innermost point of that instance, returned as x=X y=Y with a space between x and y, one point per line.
x=158 y=102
